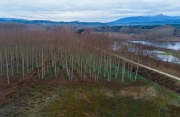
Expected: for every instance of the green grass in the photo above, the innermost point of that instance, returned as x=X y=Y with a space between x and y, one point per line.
x=148 y=100
x=88 y=101
x=176 y=54
x=83 y=101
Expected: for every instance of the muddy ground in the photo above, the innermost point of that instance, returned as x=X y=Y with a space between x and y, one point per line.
x=31 y=80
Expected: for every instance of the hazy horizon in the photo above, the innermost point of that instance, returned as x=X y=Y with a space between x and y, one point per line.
x=86 y=11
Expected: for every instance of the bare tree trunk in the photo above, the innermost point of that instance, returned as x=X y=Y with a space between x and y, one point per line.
x=131 y=71
x=1 y=60
x=23 y=64
x=137 y=70
x=123 y=70
x=7 y=66
x=42 y=64
x=12 y=66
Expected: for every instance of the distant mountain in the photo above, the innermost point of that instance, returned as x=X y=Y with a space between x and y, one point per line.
x=138 y=20
x=47 y=22
x=147 y=20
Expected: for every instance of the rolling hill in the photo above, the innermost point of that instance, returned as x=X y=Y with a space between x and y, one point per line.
x=137 y=20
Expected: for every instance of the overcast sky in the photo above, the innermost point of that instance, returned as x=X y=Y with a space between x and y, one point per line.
x=86 y=10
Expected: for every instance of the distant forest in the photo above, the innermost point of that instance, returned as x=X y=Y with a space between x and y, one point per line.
x=149 y=31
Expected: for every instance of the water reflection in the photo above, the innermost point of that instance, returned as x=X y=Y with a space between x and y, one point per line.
x=159 y=55
x=169 y=45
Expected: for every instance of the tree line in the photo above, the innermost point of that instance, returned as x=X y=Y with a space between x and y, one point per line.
x=22 y=51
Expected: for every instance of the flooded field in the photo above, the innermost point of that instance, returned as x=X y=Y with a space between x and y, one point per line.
x=157 y=54
x=160 y=55
x=160 y=44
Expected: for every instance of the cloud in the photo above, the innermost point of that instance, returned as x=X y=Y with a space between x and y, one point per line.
x=81 y=10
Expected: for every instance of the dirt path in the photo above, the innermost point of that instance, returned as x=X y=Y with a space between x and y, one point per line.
x=149 y=68
x=138 y=64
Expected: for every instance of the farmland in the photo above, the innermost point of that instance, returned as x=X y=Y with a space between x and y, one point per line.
x=59 y=72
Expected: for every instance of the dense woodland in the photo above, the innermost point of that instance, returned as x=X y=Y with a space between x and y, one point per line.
x=22 y=51
x=151 y=32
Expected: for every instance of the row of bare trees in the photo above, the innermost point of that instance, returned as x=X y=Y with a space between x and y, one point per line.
x=85 y=55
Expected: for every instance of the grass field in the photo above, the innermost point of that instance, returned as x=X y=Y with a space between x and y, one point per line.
x=93 y=99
